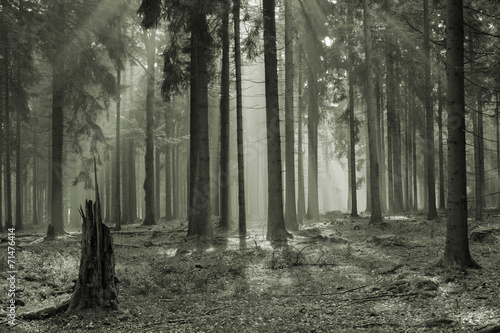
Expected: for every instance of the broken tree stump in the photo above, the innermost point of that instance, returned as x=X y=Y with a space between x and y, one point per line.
x=95 y=287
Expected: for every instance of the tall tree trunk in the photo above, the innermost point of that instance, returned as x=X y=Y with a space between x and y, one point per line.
x=300 y=173
x=149 y=214
x=7 y=137
x=391 y=114
x=381 y=145
x=440 y=140
x=35 y=179
x=290 y=209
x=376 y=213
x=429 y=121
x=132 y=181
x=352 y=147
x=414 y=153
x=58 y=93
x=497 y=113
x=19 y=172
x=157 y=182
x=117 y=207
x=312 y=140
x=276 y=230
x=242 y=223
x=175 y=173
x=200 y=224
x=352 y=132
x=168 y=167
x=225 y=176
x=107 y=202
x=456 y=252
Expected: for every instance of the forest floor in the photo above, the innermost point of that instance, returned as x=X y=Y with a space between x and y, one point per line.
x=336 y=275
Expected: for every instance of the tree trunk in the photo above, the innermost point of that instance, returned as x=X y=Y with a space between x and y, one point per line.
x=35 y=180
x=242 y=223
x=429 y=121
x=300 y=173
x=225 y=176
x=149 y=214
x=108 y=200
x=95 y=287
x=312 y=139
x=352 y=147
x=276 y=230
x=456 y=252
x=441 y=154
x=200 y=219
x=168 y=167
x=290 y=209
x=117 y=207
x=19 y=174
x=58 y=92
x=391 y=114
x=157 y=182
x=8 y=181
x=497 y=113
x=376 y=214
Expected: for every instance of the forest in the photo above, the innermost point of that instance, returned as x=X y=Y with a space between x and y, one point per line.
x=250 y=165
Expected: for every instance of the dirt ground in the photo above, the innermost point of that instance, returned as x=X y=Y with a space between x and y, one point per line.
x=336 y=275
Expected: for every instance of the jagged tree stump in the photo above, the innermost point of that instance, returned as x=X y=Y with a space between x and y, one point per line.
x=95 y=287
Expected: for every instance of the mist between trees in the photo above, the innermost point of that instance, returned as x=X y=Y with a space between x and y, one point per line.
x=272 y=111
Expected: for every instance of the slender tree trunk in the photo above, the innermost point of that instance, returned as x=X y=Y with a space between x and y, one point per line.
x=352 y=133
x=312 y=141
x=429 y=117
x=58 y=95
x=290 y=209
x=414 y=153
x=441 y=153
x=456 y=252
x=175 y=173
x=200 y=224
x=8 y=181
x=149 y=214
x=376 y=214
x=381 y=146
x=117 y=207
x=242 y=224
x=480 y=157
x=497 y=113
x=157 y=182
x=168 y=167
x=352 y=149
x=35 y=180
x=107 y=202
x=225 y=177
x=391 y=114
x=132 y=181
x=19 y=173
x=300 y=173
x=276 y=230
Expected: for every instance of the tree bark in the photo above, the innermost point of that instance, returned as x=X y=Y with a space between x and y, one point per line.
x=376 y=214
x=290 y=209
x=456 y=252
x=58 y=95
x=95 y=287
x=8 y=181
x=429 y=121
x=157 y=182
x=117 y=183
x=441 y=153
x=276 y=230
x=168 y=167
x=200 y=219
x=300 y=172
x=149 y=214
x=242 y=223
x=225 y=177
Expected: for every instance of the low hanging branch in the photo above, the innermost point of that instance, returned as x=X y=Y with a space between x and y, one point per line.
x=95 y=288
